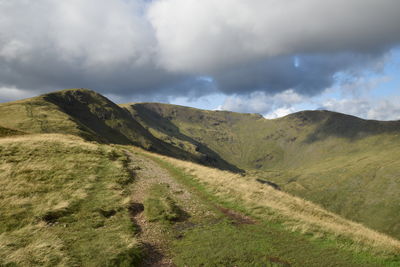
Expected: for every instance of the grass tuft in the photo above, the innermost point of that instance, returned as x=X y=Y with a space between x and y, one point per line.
x=160 y=206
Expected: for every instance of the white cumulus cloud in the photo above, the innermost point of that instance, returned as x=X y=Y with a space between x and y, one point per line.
x=269 y=105
x=382 y=109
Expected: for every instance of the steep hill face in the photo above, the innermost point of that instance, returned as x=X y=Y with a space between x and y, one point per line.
x=92 y=116
x=346 y=164
x=252 y=142
x=77 y=112
x=81 y=197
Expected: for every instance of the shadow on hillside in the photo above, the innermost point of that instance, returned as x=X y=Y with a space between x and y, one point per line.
x=332 y=124
x=77 y=105
x=101 y=120
x=163 y=125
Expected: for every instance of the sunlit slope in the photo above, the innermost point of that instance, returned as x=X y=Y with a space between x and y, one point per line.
x=252 y=142
x=64 y=202
x=92 y=116
x=36 y=115
x=75 y=111
x=349 y=165
x=275 y=207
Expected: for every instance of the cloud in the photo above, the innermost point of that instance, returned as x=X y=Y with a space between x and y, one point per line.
x=284 y=103
x=105 y=45
x=361 y=97
x=160 y=48
x=260 y=102
x=12 y=93
x=358 y=97
x=310 y=75
x=280 y=112
x=383 y=109
x=201 y=36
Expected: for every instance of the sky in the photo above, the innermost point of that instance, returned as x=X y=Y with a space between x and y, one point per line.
x=272 y=57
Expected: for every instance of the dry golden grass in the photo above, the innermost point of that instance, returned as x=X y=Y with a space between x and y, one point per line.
x=36 y=140
x=298 y=214
x=52 y=188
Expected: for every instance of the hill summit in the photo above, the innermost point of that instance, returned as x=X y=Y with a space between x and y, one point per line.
x=346 y=164
x=92 y=116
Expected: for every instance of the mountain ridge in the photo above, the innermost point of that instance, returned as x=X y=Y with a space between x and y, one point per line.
x=92 y=116
x=344 y=163
x=75 y=167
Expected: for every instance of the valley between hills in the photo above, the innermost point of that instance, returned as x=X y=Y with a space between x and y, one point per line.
x=87 y=182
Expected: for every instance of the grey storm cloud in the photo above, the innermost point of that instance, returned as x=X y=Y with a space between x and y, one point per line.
x=307 y=74
x=162 y=47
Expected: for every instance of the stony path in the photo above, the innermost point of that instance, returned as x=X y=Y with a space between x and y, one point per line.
x=151 y=234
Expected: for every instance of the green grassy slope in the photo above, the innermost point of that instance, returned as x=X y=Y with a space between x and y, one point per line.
x=100 y=116
x=253 y=229
x=163 y=129
x=346 y=164
x=79 y=112
x=64 y=202
x=35 y=115
x=67 y=202
x=92 y=116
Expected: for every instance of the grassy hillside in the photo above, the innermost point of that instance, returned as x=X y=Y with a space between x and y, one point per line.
x=252 y=142
x=35 y=115
x=348 y=165
x=79 y=112
x=163 y=129
x=64 y=202
x=69 y=202
x=262 y=226
x=92 y=116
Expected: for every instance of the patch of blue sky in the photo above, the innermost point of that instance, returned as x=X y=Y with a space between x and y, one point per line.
x=391 y=87
x=206 y=79
x=296 y=61
x=372 y=85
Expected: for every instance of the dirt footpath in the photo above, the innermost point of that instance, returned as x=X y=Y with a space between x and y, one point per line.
x=150 y=234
